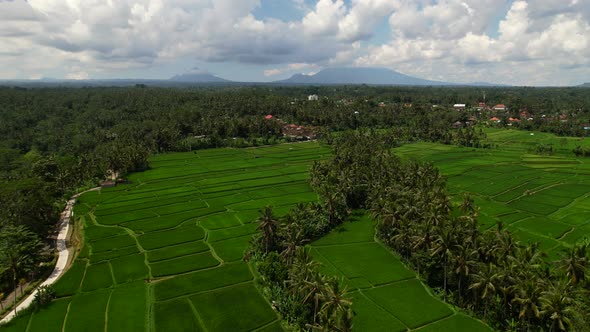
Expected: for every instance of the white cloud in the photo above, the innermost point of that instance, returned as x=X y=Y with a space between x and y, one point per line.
x=273 y=72
x=290 y=68
x=521 y=41
x=323 y=21
x=538 y=42
x=81 y=75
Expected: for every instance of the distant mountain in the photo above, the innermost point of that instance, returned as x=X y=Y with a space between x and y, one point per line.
x=483 y=84
x=585 y=85
x=198 y=76
x=359 y=75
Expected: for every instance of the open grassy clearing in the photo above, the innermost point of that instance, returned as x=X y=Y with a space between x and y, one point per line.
x=164 y=252
x=384 y=291
x=541 y=198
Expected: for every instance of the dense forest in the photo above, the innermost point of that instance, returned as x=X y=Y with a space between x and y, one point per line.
x=57 y=141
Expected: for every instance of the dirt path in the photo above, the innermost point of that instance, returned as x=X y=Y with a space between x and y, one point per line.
x=62 y=260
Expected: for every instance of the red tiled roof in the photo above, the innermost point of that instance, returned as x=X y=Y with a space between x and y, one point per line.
x=268 y=117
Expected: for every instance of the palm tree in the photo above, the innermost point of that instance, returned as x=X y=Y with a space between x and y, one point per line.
x=442 y=246
x=336 y=311
x=484 y=283
x=311 y=290
x=527 y=299
x=505 y=247
x=575 y=263
x=465 y=261
x=18 y=251
x=557 y=306
x=467 y=205
x=304 y=269
x=293 y=238
x=268 y=226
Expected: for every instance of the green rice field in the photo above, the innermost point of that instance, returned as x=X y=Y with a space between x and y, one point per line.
x=541 y=198
x=386 y=295
x=164 y=253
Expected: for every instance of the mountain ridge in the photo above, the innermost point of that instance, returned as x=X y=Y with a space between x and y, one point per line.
x=359 y=75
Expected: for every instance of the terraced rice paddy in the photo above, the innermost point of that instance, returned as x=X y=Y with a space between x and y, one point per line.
x=542 y=199
x=164 y=253
x=386 y=295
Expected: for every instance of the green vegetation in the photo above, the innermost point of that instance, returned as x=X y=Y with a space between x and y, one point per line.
x=387 y=293
x=184 y=264
x=192 y=213
x=484 y=270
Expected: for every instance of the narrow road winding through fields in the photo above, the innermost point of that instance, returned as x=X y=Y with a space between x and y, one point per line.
x=62 y=260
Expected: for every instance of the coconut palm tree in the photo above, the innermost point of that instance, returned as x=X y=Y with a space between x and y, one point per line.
x=18 y=251
x=557 y=306
x=293 y=238
x=442 y=249
x=269 y=227
x=336 y=309
x=485 y=284
x=575 y=263
x=465 y=261
x=527 y=300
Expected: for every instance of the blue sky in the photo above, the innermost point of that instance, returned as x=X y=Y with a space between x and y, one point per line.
x=534 y=42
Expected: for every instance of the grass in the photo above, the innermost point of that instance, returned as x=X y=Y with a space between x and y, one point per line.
x=199 y=281
x=112 y=254
x=182 y=234
x=183 y=264
x=130 y=299
x=454 y=323
x=50 y=320
x=70 y=282
x=129 y=268
x=112 y=243
x=232 y=249
x=182 y=249
x=87 y=312
x=371 y=317
x=220 y=310
x=176 y=316
x=511 y=185
x=409 y=302
x=97 y=276
x=387 y=292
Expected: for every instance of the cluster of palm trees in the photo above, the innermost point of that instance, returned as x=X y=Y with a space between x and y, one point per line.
x=511 y=285
x=305 y=298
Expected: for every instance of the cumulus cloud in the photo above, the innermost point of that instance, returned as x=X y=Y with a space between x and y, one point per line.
x=535 y=41
x=510 y=41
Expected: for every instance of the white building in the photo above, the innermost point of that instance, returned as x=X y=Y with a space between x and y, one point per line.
x=313 y=97
x=459 y=106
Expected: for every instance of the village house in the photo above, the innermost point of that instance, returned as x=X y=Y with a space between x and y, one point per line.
x=313 y=98
x=459 y=107
x=513 y=120
x=299 y=132
x=500 y=107
x=481 y=106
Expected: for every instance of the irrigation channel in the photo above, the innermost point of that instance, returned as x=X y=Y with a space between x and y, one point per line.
x=62 y=260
